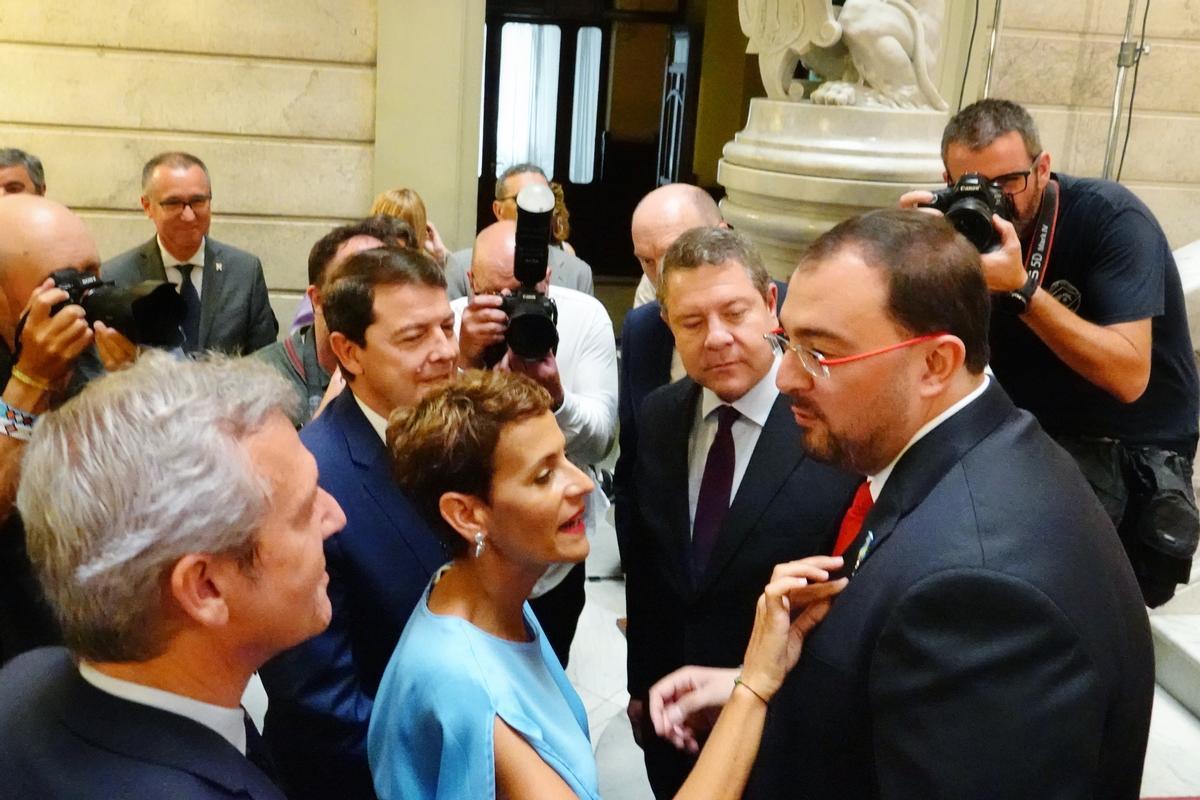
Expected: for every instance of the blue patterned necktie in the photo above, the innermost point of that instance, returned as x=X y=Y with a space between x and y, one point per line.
x=191 y=306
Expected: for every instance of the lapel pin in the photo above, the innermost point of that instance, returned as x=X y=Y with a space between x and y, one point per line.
x=218 y=266
x=862 y=551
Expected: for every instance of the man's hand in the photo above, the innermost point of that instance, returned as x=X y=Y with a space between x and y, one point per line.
x=545 y=372
x=918 y=199
x=1003 y=268
x=685 y=704
x=434 y=245
x=483 y=324
x=51 y=344
x=115 y=351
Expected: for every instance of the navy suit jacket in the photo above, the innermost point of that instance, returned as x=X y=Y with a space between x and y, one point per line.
x=235 y=312
x=321 y=692
x=64 y=738
x=647 y=347
x=992 y=641
x=786 y=507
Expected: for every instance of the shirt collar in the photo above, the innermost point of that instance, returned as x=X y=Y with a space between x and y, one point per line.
x=171 y=261
x=880 y=478
x=755 y=405
x=377 y=421
x=229 y=723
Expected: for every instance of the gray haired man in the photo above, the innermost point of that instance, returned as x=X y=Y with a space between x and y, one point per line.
x=20 y=172
x=176 y=526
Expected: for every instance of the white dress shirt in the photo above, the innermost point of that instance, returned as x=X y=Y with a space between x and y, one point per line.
x=171 y=266
x=377 y=422
x=753 y=408
x=229 y=723
x=587 y=367
x=877 y=480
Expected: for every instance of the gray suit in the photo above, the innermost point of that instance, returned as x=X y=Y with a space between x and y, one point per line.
x=565 y=270
x=235 y=314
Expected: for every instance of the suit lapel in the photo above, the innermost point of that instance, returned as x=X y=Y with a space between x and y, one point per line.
x=675 y=429
x=151 y=735
x=210 y=291
x=776 y=455
x=152 y=268
x=923 y=465
x=370 y=458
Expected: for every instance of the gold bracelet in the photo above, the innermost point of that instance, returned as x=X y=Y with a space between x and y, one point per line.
x=29 y=380
x=739 y=682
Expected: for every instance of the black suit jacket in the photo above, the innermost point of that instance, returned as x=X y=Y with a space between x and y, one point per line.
x=647 y=347
x=235 y=312
x=992 y=641
x=786 y=507
x=63 y=738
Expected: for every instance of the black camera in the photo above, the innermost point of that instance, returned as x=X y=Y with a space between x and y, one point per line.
x=149 y=313
x=969 y=205
x=532 y=316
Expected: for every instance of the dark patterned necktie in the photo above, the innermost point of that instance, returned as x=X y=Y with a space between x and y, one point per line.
x=191 y=306
x=712 y=504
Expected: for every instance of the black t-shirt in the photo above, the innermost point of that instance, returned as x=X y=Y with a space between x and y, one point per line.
x=1110 y=263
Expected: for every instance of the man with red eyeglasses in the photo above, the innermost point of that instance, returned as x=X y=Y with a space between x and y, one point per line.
x=991 y=641
x=722 y=489
x=1090 y=334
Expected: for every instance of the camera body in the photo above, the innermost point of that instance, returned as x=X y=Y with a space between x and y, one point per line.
x=148 y=314
x=532 y=315
x=969 y=205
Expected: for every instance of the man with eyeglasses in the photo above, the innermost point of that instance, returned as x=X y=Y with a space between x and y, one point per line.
x=721 y=490
x=991 y=641
x=1090 y=334
x=566 y=269
x=223 y=288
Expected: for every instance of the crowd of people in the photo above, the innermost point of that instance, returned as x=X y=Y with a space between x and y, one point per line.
x=889 y=528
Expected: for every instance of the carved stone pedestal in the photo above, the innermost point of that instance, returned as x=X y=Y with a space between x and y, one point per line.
x=798 y=169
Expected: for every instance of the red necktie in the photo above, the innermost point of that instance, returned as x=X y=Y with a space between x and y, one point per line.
x=852 y=522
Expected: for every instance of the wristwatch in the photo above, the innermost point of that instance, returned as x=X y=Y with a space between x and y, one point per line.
x=1017 y=301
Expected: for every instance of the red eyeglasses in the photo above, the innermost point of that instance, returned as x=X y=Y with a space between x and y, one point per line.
x=817 y=365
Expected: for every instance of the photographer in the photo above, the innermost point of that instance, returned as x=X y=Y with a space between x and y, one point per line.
x=1090 y=333
x=38 y=237
x=580 y=375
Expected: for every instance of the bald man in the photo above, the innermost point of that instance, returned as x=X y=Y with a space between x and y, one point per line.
x=38 y=237
x=657 y=222
x=581 y=377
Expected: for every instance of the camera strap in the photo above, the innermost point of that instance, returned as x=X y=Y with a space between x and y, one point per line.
x=1037 y=261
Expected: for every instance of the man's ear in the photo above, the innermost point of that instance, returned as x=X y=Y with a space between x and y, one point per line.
x=145 y=204
x=945 y=177
x=773 y=299
x=942 y=364
x=496 y=205
x=1042 y=166
x=466 y=513
x=314 y=297
x=346 y=352
x=197 y=586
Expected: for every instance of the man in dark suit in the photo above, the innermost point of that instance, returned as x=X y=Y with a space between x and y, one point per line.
x=648 y=357
x=722 y=490
x=223 y=289
x=992 y=641
x=175 y=567
x=392 y=330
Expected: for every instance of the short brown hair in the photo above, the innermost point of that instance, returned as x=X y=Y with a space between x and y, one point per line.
x=447 y=442
x=934 y=279
x=981 y=123
x=703 y=246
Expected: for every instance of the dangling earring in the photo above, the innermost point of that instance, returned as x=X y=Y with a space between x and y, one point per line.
x=479 y=545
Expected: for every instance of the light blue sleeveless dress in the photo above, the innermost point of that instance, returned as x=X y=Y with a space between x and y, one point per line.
x=431 y=731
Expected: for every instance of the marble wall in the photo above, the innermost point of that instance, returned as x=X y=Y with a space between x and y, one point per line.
x=1059 y=60
x=277 y=96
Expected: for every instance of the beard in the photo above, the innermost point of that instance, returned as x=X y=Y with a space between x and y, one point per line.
x=867 y=444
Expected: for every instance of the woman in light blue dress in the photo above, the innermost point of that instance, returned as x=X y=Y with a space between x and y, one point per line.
x=474 y=703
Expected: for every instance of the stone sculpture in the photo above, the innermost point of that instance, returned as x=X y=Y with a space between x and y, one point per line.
x=874 y=53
